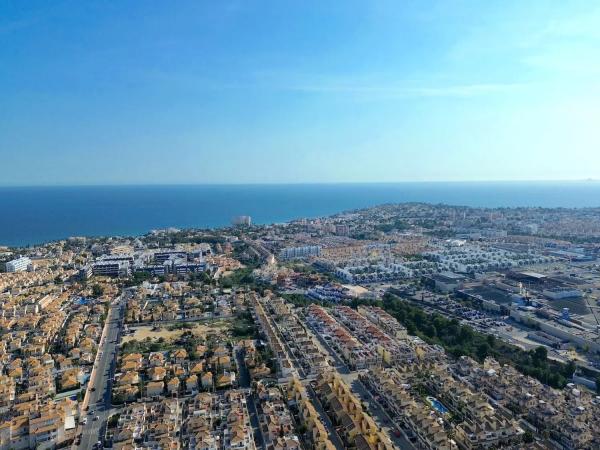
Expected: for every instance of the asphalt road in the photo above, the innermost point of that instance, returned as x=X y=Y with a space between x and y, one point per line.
x=325 y=420
x=381 y=416
x=245 y=382
x=100 y=385
x=340 y=365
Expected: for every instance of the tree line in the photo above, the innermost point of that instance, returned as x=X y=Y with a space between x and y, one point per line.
x=459 y=340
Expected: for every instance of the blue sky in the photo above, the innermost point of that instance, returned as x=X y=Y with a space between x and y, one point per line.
x=298 y=91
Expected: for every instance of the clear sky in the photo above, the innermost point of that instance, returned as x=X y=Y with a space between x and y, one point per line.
x=298 y=91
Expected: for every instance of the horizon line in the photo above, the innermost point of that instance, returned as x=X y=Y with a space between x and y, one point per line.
x=299 y=183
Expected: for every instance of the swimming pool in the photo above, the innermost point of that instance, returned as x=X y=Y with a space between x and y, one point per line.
x=435 y=404
x=82 y=301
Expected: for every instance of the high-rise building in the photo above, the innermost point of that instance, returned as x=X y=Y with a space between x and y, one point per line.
x=20 y=264
x=241 y=220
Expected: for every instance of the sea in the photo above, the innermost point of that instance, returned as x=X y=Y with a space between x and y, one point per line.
x=33 y=215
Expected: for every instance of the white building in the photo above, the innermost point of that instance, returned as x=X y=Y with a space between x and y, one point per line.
x=242 y=220
x=300 y=252
x=111 y=268
x=20 y=264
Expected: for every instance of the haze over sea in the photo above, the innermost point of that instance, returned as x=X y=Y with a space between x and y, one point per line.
x=31 y=215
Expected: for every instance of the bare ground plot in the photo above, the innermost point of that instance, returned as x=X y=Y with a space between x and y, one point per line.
x=168 y=333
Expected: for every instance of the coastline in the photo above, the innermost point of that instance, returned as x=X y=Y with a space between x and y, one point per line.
x=33 y=215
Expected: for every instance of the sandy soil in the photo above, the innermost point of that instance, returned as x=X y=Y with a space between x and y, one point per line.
x=200 y=330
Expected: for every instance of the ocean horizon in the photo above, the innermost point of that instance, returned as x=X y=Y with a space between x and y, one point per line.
x=37 y=214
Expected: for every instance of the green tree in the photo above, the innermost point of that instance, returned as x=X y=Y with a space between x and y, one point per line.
x=539 y=356
x=483 y=350
x=528 y=437
x=461 y=340
x=570 y=368
x=541 y=353
x=465 y=334
x=97 y=290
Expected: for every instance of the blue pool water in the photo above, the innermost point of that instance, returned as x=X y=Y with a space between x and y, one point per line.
x=435 y=404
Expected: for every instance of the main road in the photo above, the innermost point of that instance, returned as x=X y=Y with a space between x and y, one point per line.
x=98 y=395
